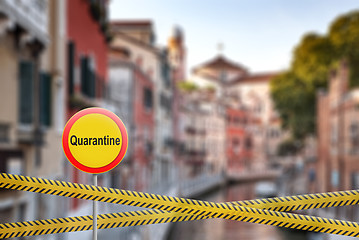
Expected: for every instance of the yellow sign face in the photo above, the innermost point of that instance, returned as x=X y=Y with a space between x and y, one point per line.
x=95 y=140
x=98 y=147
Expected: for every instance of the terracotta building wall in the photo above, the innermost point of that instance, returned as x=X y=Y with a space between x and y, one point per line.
x=87 y=35
x=338 y=129
x=323 y=135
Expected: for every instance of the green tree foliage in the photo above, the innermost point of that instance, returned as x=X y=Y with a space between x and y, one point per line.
x=344 y=35
x=187 y=86
x=294 y=100
x=294 y=91
x=312 y=59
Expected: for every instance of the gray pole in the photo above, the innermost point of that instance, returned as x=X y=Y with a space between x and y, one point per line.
x=94 y=212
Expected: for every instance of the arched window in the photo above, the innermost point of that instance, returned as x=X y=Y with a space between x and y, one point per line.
x=248 y=143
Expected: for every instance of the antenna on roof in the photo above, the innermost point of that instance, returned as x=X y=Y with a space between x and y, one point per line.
x=220 y=48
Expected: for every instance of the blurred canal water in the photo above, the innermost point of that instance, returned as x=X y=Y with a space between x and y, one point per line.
x=221 y=229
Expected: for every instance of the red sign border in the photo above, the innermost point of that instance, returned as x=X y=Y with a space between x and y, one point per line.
x=71 y=158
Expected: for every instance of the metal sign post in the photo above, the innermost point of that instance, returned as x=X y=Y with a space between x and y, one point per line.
x=94 y=212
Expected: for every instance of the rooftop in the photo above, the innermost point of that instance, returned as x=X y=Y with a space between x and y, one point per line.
x=132 y=23
x=221 y=63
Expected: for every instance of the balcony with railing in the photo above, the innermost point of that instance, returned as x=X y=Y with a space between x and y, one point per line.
x=195 y=156
x=191 y=130
x=31 y=16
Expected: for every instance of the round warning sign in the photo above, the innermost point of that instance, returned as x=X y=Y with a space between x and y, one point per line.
x=95 y=140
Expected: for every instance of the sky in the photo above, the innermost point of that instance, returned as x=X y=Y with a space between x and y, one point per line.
x=260 y=34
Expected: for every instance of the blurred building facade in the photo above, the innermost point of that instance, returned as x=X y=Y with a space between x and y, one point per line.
x=177 y=60
x=194 y=137
x=131 y=91
x=338 y=133
x=63 y=60
x=58 y=53
x=213 y=75
x=138 y=39
x=32 y=42
x=265 y=126
x=249 y=127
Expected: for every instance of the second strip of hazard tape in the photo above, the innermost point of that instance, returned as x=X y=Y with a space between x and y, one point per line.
x=84 y=223
x=180 y=209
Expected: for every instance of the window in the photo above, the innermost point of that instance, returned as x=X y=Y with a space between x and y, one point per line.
x=15 y=166
x=236 y=145
x=354 y=138
x=11 y=161
x=223 y=76
x=148 y=148
x=84 y=75
x=248 y=143
x=45 y=99
x=4 y=132
x=59 y=106
x=166 y=74
x=147 y=98
x=40 y=5
x=273 y=133
x=237 y=120
x=26 y=86
x=166 y=103
x=245 y=121
x=228 y=119
x=92 y=83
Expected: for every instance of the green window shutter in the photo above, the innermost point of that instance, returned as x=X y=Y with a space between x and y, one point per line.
x=92 y=92
x=70 y=67
x=88 y=78
x=147 y=98
x=45 y=99
x=84 y=76
x=26 y=98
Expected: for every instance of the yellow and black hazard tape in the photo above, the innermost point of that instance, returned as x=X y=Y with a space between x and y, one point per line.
x=126 y=219
x=84 y=223
x=103 y=194
x=249 y=211
x=136 y=218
